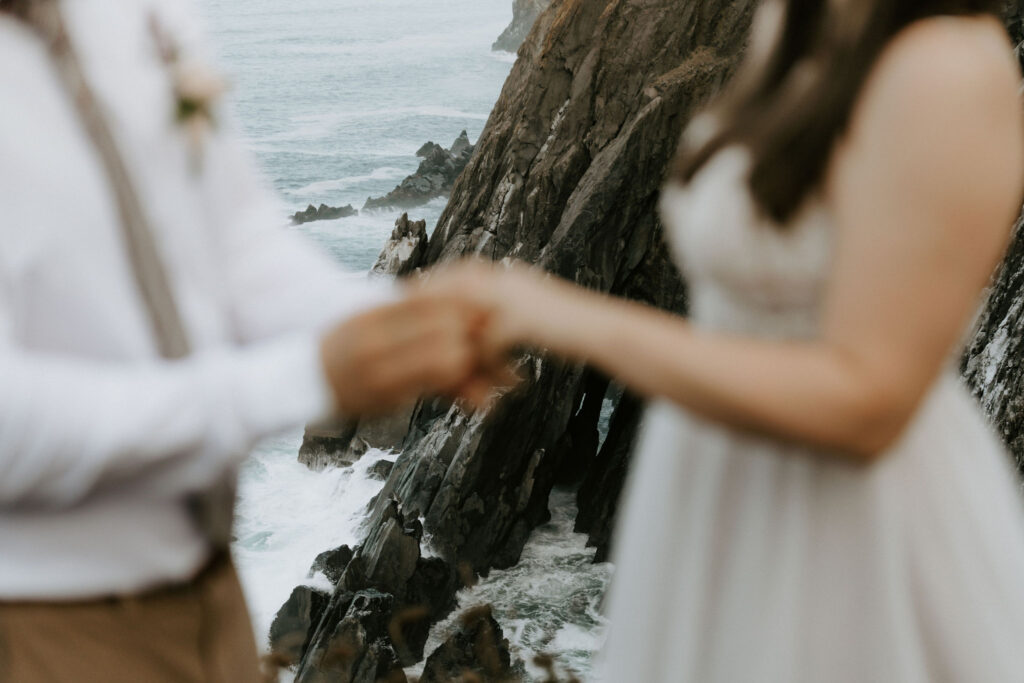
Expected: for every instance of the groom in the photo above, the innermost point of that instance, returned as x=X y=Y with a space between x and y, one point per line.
x=154 y=324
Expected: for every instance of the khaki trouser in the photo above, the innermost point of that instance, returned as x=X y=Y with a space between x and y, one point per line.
x=195 y=633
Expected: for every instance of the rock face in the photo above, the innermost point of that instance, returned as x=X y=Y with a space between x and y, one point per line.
x=339 y=443
x=295 y=623
x=356 y=649
x=524 y=15
x=386 y=596
x=993 y=364
x=405 y=251
x=477 y=651
x=323 y=213
x=332 y=563
x=434 y=178
x=598 y=495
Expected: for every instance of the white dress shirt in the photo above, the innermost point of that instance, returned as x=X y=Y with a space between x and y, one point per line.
x=101 y=439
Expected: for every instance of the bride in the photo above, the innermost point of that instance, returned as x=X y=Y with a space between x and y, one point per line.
x=815 y=496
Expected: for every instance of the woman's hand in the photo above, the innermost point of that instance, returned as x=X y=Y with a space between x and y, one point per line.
x=524 y=305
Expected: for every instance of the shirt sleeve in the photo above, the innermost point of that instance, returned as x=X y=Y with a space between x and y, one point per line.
x=71 y=426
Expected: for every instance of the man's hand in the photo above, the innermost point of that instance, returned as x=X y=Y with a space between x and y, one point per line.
x=388 y=357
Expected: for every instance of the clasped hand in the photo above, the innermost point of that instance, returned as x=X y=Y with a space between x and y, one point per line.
x=449 y=336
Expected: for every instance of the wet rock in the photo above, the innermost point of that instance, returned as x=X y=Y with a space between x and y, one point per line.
x=323 y=213
x=340 y=443
x=356 y=649
x=332 y=563
x=524 y=16
x=435 y=176
x=599 y=494
x=326 y=444
x=381 y=469
x=469 y=477
x=405 y=251
x=417 y=592
x=294 y=624
x=477 y=651
x=993 y=365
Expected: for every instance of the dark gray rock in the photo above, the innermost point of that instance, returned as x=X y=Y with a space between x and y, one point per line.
x=477 y=651
x=332 y=563
x=381 y=469
x=524 y=16
x=340 y=443
x=323 y=213
x=294 y=624
x=434 y=178
x=599 y=494
x=326 y=444
x=405 y=251
x=417 y=592
x=356 y=648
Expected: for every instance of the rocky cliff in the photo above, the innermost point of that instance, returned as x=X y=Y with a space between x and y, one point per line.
x=565 y=174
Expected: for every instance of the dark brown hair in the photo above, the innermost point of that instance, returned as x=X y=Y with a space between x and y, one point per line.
x=791 y=104
x=15 y=7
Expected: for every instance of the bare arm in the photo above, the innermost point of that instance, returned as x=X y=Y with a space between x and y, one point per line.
x=923 y=191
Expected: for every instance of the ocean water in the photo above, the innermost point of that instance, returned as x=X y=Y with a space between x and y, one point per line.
x=334 y=98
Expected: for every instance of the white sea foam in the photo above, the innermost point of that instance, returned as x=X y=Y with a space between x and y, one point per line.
x=549 y=602
x=287 y=515
x=324 y=186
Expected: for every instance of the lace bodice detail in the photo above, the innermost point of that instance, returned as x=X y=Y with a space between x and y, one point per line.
x=745 y=274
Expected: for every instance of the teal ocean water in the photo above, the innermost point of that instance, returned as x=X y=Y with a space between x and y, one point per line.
x=334 y=98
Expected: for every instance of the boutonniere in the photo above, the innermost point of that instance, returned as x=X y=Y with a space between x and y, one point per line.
x=196 y=89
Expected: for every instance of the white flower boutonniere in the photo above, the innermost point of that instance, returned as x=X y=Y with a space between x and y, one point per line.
x=196 y=89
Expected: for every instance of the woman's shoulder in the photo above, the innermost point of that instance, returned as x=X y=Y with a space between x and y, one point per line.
x=948 y=57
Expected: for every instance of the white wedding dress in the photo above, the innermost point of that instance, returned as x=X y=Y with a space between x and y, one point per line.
x=741 y=558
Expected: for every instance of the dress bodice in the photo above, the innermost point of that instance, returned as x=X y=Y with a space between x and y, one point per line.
x=746 y=275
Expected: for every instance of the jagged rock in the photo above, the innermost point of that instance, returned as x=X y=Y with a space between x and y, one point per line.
x=524 y=16
x=477 y=651
x=381 y=469
x=332 y=563
x=390 y=553
x=339 y=443
x=356 y=648
x=323 y=213
x=294 y=624
x=598 y=495
x=417 y=592
x=429 y=148
x=478 y=502
x=578 y=445
x=405 y=251
x=993 y=365
x=326 y=444
x=434 y=178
